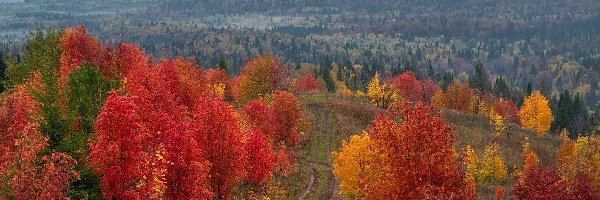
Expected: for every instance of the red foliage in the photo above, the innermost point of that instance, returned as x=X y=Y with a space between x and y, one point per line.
x=499 y=192
x=129 y=57
x=286 y=112
x=218 y=133
x=459 y=97
x=286 y=160
x=21 y=141
x=165 y=104
x=417 y=157
x=217 y=76
x=260 y=115
x=120 y=153
x=261 y=158
x=20 y=147
x=412 y=89
x=192 y=82
x=582 y=188
x=429 y=89
x=307 y=84
x=508 y=110
x=540 y=183
x=78 y=47
x=408 y=86
x=57 y=172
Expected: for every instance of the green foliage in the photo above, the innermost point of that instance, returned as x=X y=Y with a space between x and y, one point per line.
x=480 y=80
x=42 y=53
x=501 y=89
x=223 y=65
x=329 y=83
x=87 y=92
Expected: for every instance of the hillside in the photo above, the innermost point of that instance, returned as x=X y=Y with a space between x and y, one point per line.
x=336 y=118
x=84 y=118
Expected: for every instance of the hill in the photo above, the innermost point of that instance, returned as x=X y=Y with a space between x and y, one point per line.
x=335 y=118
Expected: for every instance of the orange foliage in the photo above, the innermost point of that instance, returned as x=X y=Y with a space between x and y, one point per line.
x=459 y=96
x=20 y=147
x=260 y=77
x=416 y=157
x=78 y=47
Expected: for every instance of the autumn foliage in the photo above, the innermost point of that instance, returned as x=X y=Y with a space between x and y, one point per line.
x=260 y=77
x=536 y=113
x=550 y=182
x=112 y=121
x=307 y=84
x=508 y=111
x=459 y=96
x=415 y=155
x=28 y=173
x=409 y=88
x=121 y=152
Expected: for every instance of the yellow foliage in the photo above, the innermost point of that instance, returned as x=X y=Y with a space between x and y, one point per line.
x=346 y=92
x=470 y=160
x=438 y=99
x=218 y=89
x=375 y=91
x=492 y=165
x=580 y=157
x=536 y=113
x=351 y=164
x=500 y=126
x=359 y=94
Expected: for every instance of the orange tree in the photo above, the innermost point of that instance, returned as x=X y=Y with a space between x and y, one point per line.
x=415 y=156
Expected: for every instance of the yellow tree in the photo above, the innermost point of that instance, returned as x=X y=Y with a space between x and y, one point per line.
x=492 y=165
x=536 y=113
x=489 y=166
x=350 y=165
x=375 y=91
x=499 y=122
x=470 y=160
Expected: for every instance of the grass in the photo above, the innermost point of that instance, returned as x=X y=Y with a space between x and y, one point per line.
x=478 y=132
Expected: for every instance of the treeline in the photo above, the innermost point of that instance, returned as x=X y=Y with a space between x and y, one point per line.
x=520 y=63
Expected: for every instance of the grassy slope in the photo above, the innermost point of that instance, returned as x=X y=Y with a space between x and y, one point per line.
x=336 y=118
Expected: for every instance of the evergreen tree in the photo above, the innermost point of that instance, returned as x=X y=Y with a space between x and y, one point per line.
x=223 y=65
x=431 y=72
x=580 y=124
x=338 y=73
x=447 y=79
x=480 y=80
x=501 y=89
x=528 y=88
x=564 y=113
x=325 y=68
x=544 y=88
